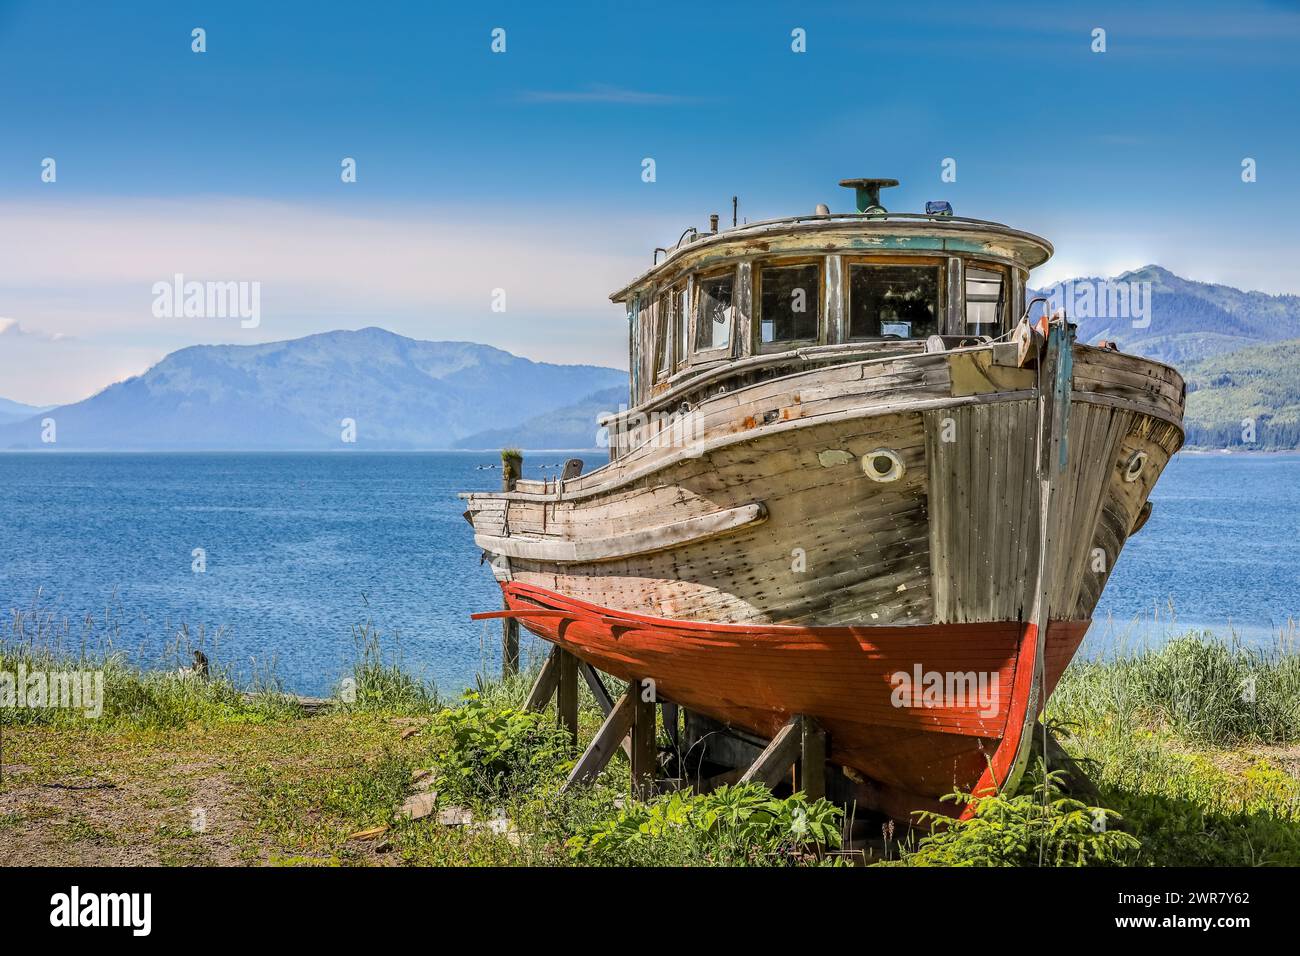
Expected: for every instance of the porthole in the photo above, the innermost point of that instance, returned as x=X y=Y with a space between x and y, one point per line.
x=1136 y=462
x=882 y=465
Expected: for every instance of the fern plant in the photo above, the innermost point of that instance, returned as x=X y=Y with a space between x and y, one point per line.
x=1038 y=825
x=740 y=824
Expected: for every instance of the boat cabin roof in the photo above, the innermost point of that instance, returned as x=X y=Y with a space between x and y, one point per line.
x=823 y=286
x=857 y=233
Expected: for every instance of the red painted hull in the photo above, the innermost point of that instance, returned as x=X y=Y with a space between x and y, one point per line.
x=914 y=747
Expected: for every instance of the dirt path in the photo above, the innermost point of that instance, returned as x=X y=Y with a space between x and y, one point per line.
x=183 y=797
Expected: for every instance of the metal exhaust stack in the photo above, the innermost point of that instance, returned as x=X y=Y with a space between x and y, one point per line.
x=867 y=193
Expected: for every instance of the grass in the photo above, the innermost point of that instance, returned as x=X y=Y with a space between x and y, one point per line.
x=1202 y=690
x=39 y=640
x=382 y=686
x=1196 y=744
x=1195 y=747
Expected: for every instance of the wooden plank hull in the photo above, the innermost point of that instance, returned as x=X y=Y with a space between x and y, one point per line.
x=766 y=572
x=914 y=744
x=953 y=539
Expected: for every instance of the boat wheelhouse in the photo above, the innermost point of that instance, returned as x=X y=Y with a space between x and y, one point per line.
x=822 y=287
x=849 y=466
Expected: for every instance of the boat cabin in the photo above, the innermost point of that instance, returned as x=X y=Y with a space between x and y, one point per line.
x=824 y=287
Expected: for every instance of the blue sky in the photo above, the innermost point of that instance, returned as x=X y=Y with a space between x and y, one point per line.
x=522 y=170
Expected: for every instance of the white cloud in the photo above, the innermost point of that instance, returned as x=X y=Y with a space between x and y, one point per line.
x=14 y=329
x=385 y=258
x=1192 y=250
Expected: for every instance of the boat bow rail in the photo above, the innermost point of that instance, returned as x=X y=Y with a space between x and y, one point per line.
x=627 y=544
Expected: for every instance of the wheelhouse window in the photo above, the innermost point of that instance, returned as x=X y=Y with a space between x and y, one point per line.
x=682 y=316
x=894 y=301
x=663 y=337
x=714 y=301
x=985 y=293
x=789 y=303
x=639 y=315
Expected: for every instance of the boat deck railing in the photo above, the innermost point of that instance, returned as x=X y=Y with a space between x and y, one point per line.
x=867 y=216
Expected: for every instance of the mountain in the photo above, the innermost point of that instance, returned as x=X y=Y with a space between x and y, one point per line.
x=1189 y=321
x=17 y=411
x=1248 y=399
x=1238 y=351
x=573 y=426
x=401 y=393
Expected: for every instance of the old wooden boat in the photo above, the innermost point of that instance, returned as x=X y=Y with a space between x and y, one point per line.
x=854 y=483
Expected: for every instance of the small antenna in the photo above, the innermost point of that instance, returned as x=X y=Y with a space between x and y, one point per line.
x=733 y=212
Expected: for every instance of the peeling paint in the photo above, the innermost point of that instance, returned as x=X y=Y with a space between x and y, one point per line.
x=834 y=456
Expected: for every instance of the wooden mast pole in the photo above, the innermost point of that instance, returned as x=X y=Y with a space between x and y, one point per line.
x=1056 y=375
x=512 y=466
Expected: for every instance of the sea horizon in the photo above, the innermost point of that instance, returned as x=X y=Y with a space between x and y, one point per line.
x=302 y=548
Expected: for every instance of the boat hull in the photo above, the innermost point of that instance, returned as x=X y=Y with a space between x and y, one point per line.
x=744 y=556
x=873 y=689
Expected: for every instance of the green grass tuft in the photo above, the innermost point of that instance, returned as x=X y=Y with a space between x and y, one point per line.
x=383 y=686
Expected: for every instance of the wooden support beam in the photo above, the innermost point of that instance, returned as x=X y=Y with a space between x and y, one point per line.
x=645 y=743
x=548 y=678
x=512 y=466
x=509 y=646
x=598 y=688
x=670 y=723
x=602 y=695
x=778 y=757
x=566 y=697
x=812 y=759
x=797 y=754
x=611 y=733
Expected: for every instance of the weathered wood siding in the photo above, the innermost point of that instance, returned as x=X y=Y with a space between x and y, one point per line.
x=836 y=547
x=983 y=510
x=953 y=540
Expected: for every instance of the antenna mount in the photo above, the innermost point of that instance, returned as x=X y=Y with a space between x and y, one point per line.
x=867 y=192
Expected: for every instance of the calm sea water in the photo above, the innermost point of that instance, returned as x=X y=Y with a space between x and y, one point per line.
x=301 y=549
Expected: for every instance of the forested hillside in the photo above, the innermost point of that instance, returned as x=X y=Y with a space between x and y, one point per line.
x=1253 y=389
